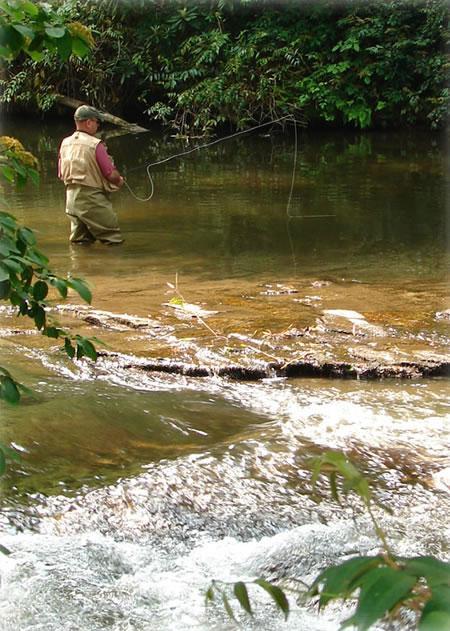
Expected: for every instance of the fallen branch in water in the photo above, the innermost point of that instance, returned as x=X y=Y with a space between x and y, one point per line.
x=109 y=118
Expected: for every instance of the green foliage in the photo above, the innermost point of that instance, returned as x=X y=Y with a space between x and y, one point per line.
x=25 y=281
x=222 y=590
x=382 y=585
x=199 y=65
x=36 y=29
x=17 y=165
x=6 y=454
x=25 y=275
x=386 y=583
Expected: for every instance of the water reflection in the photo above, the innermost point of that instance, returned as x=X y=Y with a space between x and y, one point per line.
x=225 y=206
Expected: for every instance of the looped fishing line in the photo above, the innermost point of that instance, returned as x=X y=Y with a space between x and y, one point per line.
x=214 y=142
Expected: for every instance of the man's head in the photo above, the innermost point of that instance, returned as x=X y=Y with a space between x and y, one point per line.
x=87 y=119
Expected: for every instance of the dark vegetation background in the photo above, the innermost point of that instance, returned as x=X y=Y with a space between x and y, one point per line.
x=199 y=66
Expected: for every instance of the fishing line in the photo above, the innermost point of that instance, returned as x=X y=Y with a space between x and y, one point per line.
x=289 y=215
x=218 y=140
x=210 y=144
x=294 y=168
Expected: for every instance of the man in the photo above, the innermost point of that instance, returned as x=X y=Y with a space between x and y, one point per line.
x=90 y=177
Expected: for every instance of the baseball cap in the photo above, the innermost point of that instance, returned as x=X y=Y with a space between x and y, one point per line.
x=85 y=112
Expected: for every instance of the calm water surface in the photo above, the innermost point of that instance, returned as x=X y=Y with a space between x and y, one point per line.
x=173 y=480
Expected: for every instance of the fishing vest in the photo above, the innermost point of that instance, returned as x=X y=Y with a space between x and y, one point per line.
x=78 y=164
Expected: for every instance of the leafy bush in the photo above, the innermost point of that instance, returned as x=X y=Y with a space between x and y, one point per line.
x=198 y=66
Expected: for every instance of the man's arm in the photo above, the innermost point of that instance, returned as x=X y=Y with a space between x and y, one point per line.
x=115 y=178
x=106 y=166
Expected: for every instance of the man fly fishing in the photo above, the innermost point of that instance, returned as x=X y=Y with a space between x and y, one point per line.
x=90 y=177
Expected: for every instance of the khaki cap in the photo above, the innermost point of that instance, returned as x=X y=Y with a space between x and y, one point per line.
x=86 y=112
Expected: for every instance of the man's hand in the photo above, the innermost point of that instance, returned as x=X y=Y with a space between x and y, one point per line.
x=116 y=179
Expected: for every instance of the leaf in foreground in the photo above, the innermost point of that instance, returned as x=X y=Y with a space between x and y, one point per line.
x=381 y=589
x=339 y=581
x=277 y=595
x=241 y=593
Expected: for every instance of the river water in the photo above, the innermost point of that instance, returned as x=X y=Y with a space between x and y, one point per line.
x=135 y=489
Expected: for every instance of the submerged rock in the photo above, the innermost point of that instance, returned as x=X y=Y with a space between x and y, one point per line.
x=301 y=368
x=341 y=344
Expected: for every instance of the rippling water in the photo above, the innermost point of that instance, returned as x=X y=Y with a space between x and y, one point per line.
x=213 y=483
x=135 y=489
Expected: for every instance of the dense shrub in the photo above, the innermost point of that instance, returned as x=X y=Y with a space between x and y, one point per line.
x=198 y=65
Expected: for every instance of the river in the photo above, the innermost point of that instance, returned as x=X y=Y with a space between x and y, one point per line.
x=136 y=487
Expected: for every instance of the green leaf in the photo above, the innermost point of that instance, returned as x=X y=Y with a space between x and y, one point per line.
x=333 y=487
x=346 y=468
x=339 y=581
x=209 y=596
x=8 y=221
x=88 y=349
x=435 y=571
x=7 y=246
x=6 y=53
x=29 y=8
x=64 y=46
x=40 y=290
x=381 y=589
x=10 y=38
x=227 y=606
x=34 y=176
x=5 y=289
x=4 y=550
x=24 y=30
x=60 y=284
x=337 y=463
x=2 y=461
x=241 y=593
x=27 y=273
x=19 y=168
x=435 y=621
x=55 y=31
x=52 y=331
x=4 y=273
x=11 y=10
x=27 y=236
x=8 y=173
x=79 y=47
x=79 y=349
x=439 y=601
x=277 y=595
x=23 y=309
x=39 y=316
x=36 y=55
x=11 y=454
x=12 y=265
x=15 y=299
x=36 y=257
x=9 y=390
x=70 y=351
x=81 y=288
